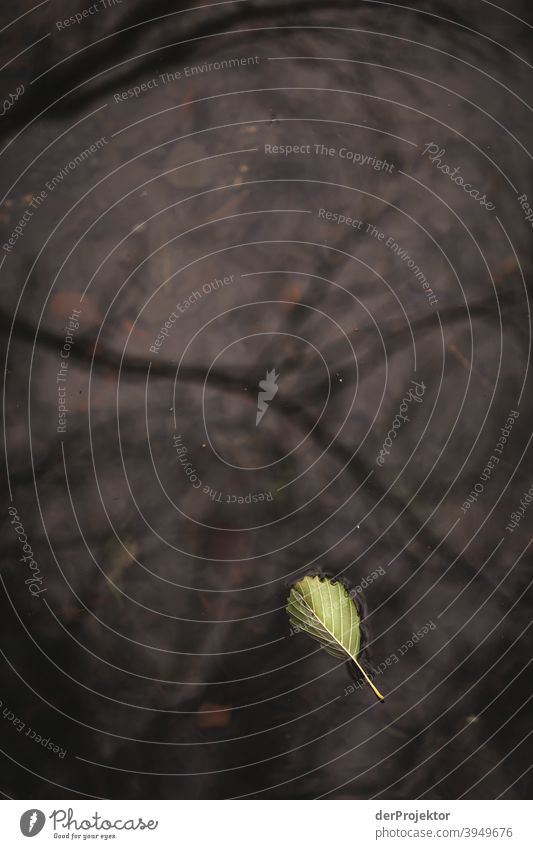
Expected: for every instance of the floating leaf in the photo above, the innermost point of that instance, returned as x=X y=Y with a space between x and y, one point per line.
x=326 y=612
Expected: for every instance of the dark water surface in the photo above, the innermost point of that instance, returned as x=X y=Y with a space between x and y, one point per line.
x=333 y=192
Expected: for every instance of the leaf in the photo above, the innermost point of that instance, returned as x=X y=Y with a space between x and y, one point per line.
x=213 y=716
x=326 y=612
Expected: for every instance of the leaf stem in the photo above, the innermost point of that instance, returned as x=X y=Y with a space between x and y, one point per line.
x=367 y=679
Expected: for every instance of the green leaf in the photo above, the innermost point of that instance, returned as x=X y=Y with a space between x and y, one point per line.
x=326 y=612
